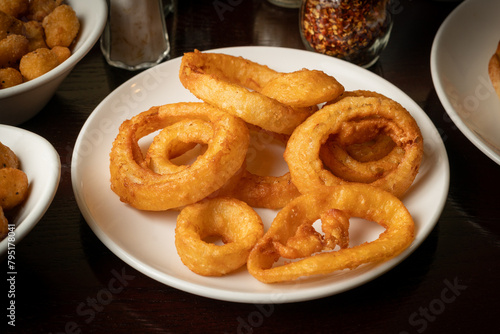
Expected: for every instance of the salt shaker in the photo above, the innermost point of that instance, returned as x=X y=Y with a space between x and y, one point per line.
x=356 y=31
x=135 y=36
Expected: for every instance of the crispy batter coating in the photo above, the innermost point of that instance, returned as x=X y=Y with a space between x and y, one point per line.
x=8 y=158
x=224 y=81
x=35 y=35
x=38 y=31
x=12 y=48
x=15 y=8
x=239 y=226
x=13 y=187
x=303 y=88
x=9 y=77
x=62 y=53
x=302 y=151
x=10 y=25
x=61 y=26
x=37 y=62
x=39 y=9
x=144 y=189
x=356 y=200
x=4 y=225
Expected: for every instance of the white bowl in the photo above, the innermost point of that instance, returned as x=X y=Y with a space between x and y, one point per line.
x=41 y=163
x=20 y=103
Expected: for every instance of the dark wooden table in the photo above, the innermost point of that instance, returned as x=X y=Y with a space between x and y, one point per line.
x=450 y=284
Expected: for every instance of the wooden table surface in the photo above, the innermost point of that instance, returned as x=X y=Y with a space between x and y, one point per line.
x=448 y=285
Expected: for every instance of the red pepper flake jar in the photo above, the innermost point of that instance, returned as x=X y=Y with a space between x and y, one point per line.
x=353 y=30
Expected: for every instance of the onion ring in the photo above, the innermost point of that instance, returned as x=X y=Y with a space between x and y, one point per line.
x=361 y=146
x=174 y=141
x=360 y=153
x=335 y=156
x=239 y=226
x=306 y=241
x=264 y=191
x=356 y=200
x=303 y=88
x=144 y=189
x=225 y=81
x=302 y=151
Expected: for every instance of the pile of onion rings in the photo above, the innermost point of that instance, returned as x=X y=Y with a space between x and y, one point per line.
x=349 y=153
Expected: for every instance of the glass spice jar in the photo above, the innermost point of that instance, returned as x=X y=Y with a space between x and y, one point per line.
x=286 y=3
x=353 y=30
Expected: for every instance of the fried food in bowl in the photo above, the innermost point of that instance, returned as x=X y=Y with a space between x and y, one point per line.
x=43 y=71
x=30 y=170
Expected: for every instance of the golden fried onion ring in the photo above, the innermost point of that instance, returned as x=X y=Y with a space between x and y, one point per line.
x=233 y=84
x=238 y=225
x=302 y=151
x=144 y=189
x=356 y=200
x=335 y=152
x=174 y=141
x=178 y=139
x=361 y=152
x=264 y=191
x=306 y=241
x=303 y=88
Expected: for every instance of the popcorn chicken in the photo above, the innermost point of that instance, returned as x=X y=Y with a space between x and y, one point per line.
x=62 y=53
x=37 y=62
x=35 y=35
x=10 y=77
x=38 y=9
x=61 y=26
x=15 y=8
x=10 y=25
x=12 y=48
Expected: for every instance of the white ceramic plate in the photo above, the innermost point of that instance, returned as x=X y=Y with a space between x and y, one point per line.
x=462 y=48
x=41 y=163
x=145 y=240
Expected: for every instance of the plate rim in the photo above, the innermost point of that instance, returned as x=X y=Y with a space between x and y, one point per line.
x=258 y=297
x=476 y=140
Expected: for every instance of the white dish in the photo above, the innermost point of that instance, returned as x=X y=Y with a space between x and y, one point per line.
x=22 y=102
x=462 y=48
x=146 y=240
x=41 y=163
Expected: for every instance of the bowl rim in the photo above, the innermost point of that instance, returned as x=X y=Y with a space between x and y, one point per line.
x=44 y=183
x=100 y=7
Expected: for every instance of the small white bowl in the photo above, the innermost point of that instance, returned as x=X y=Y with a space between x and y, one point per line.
x=20 y=103
x=42 y=164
